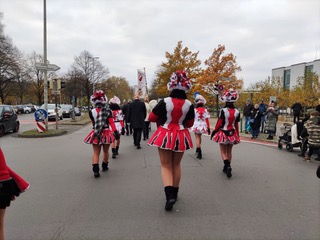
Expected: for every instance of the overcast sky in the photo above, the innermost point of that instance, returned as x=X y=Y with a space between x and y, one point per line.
x=128 y=35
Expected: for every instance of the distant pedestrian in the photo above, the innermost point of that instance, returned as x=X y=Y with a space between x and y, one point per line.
x=104 y=131
x=201 y=122
x=247 y=109
x=173 y=115
x=271 y=120
x=226 y=131
x=124 y=109
x=255 y=121
x=146 y=120
x=11 y=186
x=296 y=109
x=114 y=105
x=137 y=114
x=263 y=109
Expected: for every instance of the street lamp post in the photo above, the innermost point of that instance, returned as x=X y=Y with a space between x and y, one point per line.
x=93 y=71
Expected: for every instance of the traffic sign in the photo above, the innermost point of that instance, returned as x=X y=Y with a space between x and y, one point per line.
x=55 y=92
x=40 y=114
x=48 y=67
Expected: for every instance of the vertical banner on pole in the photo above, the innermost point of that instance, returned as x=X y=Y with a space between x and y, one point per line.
x=141 y=83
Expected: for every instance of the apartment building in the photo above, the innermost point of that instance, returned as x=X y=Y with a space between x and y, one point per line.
x=290 y=75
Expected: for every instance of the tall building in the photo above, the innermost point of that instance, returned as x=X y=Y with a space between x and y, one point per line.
x=290 y=75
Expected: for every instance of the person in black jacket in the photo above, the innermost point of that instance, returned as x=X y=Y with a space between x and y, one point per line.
x=124 y=109
x=255 y=121
x=247 y=109
x=296 y=109
x=137 y=113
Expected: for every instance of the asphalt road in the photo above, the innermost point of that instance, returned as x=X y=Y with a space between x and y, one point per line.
x=273 y=194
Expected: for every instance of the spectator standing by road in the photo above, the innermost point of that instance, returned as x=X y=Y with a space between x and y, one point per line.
x=296 y=109
x=263 y=109
x=313 y=130
x=137 y=114
x=104 y=131
x=201 y=122
x=247 y=110
x=173 y=115
x=271 y=120
x=255 y=121
x=226 y=131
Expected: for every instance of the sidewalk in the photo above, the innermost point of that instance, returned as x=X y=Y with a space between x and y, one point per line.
x=262 y=136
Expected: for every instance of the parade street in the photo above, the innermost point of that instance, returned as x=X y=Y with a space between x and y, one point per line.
x=272 y=194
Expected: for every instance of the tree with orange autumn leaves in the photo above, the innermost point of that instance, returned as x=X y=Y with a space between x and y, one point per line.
x=221 y=68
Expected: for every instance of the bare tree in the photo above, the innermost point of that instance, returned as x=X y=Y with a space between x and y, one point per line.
x=9 y=64
x=91 y=73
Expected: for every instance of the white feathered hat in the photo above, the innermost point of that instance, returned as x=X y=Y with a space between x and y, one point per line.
x=115 y=100
x=98 y=97
x=200 y=99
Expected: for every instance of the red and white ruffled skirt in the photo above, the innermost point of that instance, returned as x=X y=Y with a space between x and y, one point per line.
x=174 y=139
x=223 y=138
x=106 y=137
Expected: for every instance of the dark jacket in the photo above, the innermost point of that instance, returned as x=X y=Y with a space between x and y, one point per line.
x=137 y=112
x=256 y=115
x=247 y=110
x=296 y=108
x=124 y=110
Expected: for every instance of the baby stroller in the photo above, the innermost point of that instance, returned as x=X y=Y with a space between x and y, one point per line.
x=290 y=136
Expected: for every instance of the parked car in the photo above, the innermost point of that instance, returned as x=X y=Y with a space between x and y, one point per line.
x=8 y=120
x=66 y=110
x=51 y=111
x=20 y=109
x=77 y=111
x=27 y=109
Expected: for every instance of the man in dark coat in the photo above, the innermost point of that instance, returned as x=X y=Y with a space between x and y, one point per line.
x=124 y=109
x=137 y=113
x=296 y=109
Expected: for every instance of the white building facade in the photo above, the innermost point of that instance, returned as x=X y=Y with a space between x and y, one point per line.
x=290 y=75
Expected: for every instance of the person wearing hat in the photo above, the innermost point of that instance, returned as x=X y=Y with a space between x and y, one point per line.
x=114 y=105
x=201 y=122
x=226 y=131
x=247 y=111
x=104 y=131
x=173 y=115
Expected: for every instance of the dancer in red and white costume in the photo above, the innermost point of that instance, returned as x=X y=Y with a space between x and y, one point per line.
x=226 y=131
x=173 y=115
x=104 y=131
x=114 y=105
x=11 y=186
x=201 y=122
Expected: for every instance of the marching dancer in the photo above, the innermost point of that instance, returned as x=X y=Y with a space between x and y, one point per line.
x=226 y=131
x=173 y=115
x=118 y=121
x=201 y=122
x=11 y=186
x=102 y=135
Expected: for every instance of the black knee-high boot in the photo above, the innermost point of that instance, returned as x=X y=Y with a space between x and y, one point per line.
x=95 y=169
x=117 y=150
x=227 y=168
x=199 y=153
x=170 y=199
x=114 y=155
x=175 y=192
x=105 y=166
